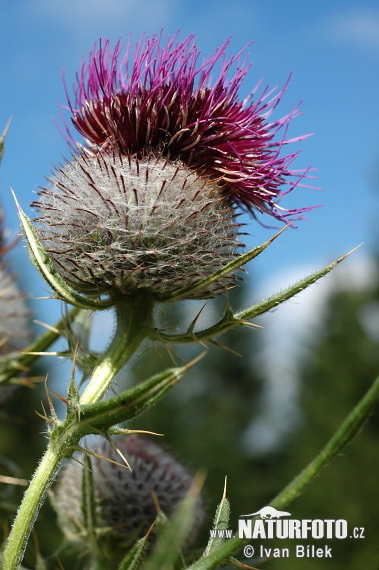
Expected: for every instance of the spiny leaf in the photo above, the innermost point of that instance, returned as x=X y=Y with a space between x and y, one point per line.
x=231 y=320
x=101 y=416
x=347 y=430
x=14 y=363
x=220 y=522
x=291 y=291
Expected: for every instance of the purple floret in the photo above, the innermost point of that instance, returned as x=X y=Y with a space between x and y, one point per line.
x=162 y=100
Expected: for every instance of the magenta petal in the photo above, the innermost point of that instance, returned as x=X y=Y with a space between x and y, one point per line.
x=161 y=99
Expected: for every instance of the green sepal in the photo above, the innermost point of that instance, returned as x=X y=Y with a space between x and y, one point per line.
x=220 y=522
x=228 y=268
x=45 y=267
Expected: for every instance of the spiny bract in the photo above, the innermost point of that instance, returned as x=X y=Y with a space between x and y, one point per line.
x=123 y=224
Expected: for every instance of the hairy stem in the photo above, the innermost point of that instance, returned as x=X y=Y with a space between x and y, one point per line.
x=132 y=322
x=131 y=329
x=29 y=508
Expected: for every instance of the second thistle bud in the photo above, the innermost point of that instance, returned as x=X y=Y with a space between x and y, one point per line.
x=126 y=501
x=116 y=224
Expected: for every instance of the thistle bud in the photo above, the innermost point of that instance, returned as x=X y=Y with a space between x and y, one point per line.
x=125 y=503
x=112 y=223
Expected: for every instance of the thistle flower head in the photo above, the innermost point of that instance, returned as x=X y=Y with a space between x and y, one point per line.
x=163 y=99
x=126 y=507
x=149 y=201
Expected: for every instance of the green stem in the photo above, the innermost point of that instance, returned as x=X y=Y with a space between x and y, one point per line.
x=29 y=508
x=131 y=329
x=133 y=319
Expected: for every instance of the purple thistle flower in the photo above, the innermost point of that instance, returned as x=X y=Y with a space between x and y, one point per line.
x=162 y=100
x=149 y=202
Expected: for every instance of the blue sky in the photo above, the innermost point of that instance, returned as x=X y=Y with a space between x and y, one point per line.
x=332 y=50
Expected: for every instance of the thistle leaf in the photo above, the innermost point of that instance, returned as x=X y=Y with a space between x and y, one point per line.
x=220 y=522
x=291 y=291
x=101 y=416
x=13 y=363
x=344 y=434
x=231 y=320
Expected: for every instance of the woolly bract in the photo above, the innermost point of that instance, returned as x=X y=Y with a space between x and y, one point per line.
x=114 y=223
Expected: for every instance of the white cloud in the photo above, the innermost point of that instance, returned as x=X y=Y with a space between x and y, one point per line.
x=359 y=26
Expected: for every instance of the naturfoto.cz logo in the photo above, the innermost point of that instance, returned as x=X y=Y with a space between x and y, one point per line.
x=275 y=524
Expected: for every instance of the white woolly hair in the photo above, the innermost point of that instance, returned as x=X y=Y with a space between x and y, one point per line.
x=125 y=499
x=114 y=222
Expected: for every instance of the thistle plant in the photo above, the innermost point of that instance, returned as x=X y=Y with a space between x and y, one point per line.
x=164 y=157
